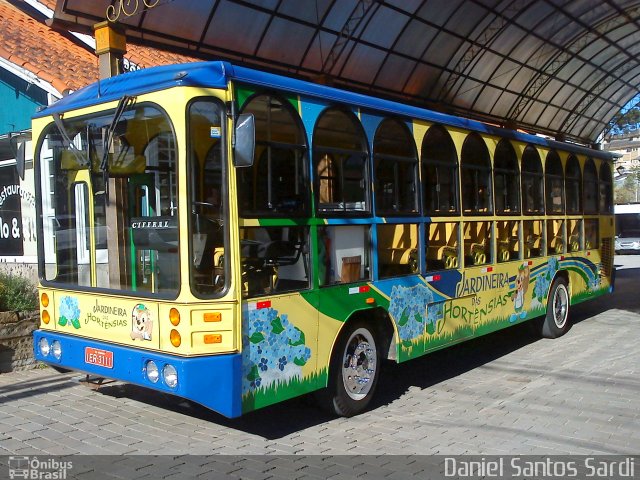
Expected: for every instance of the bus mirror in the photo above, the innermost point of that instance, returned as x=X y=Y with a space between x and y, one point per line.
x=20 y=160
x=245 y=140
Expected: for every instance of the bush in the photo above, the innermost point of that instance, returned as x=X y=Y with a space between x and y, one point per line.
x=17 y=294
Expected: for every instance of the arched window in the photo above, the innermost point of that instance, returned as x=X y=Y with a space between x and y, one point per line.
x=573 y=185
x=476 y=176
x=340 y=156
x=506 y=179
x=277 y=184
x=590 y=187
x=439 y=173
x=532 y=181
x=554 y=183
x=606 y=189
x=395 y=163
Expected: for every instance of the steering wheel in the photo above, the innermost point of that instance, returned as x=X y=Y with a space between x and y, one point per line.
x=204 y=206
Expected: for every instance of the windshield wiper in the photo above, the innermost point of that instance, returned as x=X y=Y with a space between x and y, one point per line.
x=124 y=103
x=68 y=143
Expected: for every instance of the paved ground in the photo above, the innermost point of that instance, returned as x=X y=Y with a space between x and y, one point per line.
x=507 y=393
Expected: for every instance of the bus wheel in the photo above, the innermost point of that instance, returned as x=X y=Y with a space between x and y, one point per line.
x=354 y=371
x=556 y=323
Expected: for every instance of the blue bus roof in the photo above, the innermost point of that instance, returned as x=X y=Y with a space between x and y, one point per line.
x=217 y=74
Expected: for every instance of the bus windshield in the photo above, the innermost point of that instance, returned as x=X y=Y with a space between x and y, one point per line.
x=109 y=201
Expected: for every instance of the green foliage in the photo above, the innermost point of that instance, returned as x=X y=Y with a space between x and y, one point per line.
x=624 y=123
x=17 y=294
x=630 y=189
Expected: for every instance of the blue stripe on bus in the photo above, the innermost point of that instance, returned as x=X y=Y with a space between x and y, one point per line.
x=212 y=381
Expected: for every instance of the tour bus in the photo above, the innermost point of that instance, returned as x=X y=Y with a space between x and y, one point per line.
x=627 y=228
x=239 y=238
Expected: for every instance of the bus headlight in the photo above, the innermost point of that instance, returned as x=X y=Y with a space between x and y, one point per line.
x=44 y=347
x=56 y=349
x=152 y=371
x=170 y=375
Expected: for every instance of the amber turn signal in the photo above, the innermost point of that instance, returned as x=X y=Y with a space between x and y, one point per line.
x=212 y=317
x=213 y=338
x=174 y=317
x=44 y=300
x=46 y=318
x=174 y=336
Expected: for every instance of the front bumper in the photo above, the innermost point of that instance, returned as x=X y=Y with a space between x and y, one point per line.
x=213 y=381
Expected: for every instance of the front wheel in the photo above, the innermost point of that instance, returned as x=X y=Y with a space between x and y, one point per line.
x=556 y=323
x=353 y=372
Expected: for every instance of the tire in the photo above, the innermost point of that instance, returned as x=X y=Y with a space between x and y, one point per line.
x=353 y=372
x=556 y=323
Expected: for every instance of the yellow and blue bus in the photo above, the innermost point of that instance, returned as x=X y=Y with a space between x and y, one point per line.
x=238 y=238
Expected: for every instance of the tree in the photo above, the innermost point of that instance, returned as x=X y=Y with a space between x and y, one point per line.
x=629 y=191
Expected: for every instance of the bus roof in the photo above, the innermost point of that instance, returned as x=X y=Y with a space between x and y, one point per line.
x=217 y=74
x=627 y=208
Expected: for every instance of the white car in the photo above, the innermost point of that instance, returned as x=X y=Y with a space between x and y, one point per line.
x=626 y=244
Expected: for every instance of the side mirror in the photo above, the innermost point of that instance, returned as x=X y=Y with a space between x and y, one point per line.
x=245 y=140
x=20 y=160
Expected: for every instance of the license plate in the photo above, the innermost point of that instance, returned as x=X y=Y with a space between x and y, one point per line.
x=95 y=356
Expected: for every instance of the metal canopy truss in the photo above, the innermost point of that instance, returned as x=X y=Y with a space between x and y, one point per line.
x=559 y=67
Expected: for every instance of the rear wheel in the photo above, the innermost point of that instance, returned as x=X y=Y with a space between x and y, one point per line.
x=353 y=372
x=556 y=322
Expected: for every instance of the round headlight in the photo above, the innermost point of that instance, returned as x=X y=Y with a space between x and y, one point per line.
x=152 y=371
x=44 y=347
x=56 y=349
x=170 y=375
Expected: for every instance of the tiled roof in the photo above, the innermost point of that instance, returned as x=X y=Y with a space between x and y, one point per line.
x=44 y=52
x=149 y=57
x=61 y=60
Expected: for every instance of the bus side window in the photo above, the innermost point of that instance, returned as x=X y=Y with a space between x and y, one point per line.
x=443 y=246
x=533 y=238
x=591 y=233
x=477 y=243
x=555 y=237
x=532 y=182
x=344 y=254
x=397 y=249
x=574 y=230
x=278 y=182
x=508 y=233
x=274 y=260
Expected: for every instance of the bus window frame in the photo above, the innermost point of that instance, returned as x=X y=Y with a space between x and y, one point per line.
x=170 y=296
x=537 y=176
x=595 y=185
x=224 y=193
x=608 y=185
x=476 y=171
x=549 y=178
x=507 y=174
x=317 y=153
x=414 y=161
x=304 y=148
x=451 y=167
x=573 y=162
